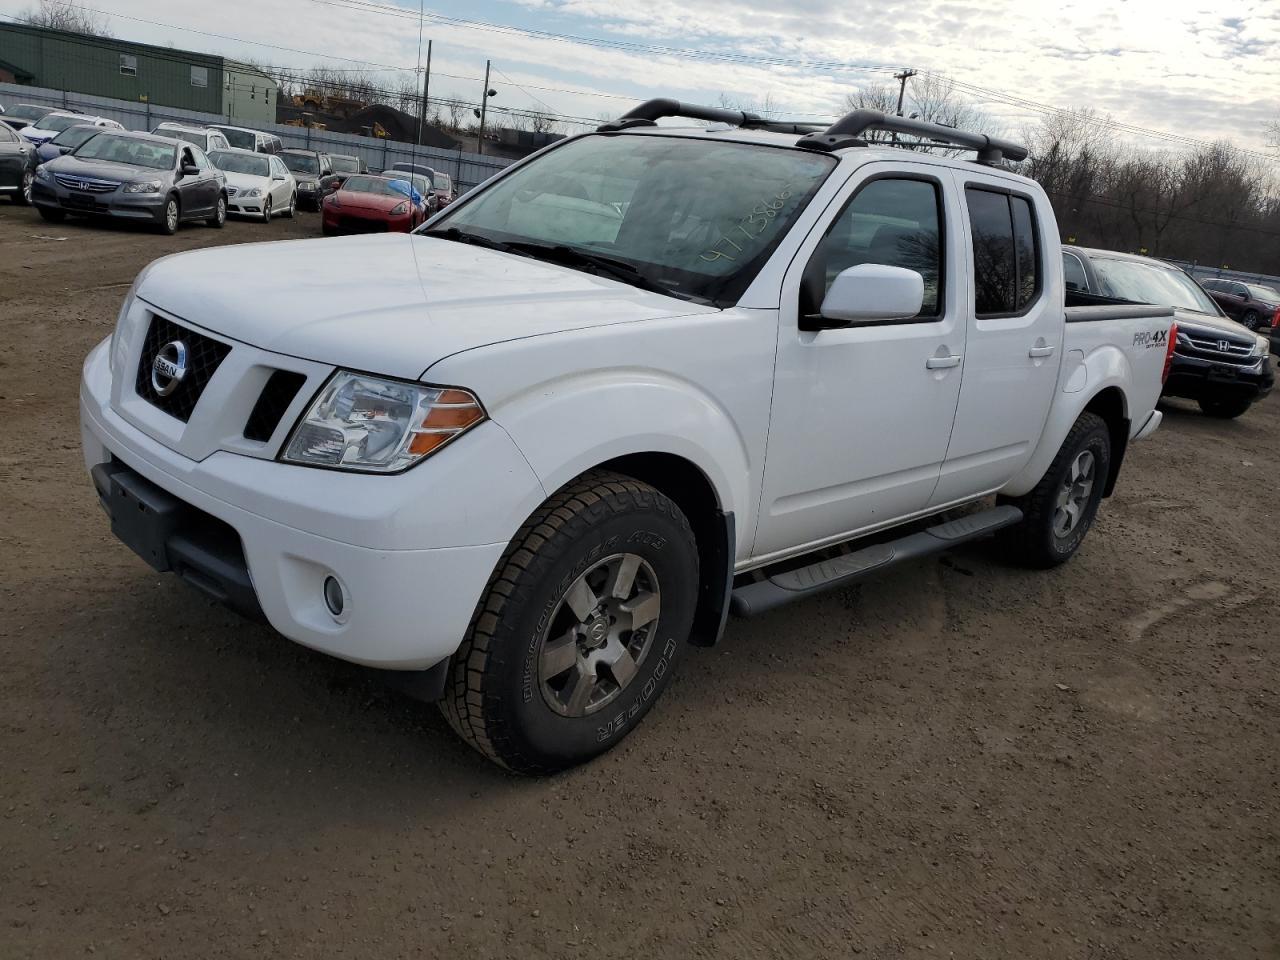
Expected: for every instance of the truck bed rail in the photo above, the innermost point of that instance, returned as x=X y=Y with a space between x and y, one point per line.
x=1121 y=311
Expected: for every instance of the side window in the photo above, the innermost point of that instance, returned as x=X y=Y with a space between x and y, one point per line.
x=1240 y=290
x=128 y=65
x=188 y=158
x=1073 y=272
x=1006 y=254
x=7 y=135
x=1026 y=241
x=994 y=273
x=894 y=222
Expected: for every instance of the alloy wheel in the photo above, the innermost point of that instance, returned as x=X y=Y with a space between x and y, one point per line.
x=602 y=630
x=27 y=181
x=1073 y=495
x=171 y=215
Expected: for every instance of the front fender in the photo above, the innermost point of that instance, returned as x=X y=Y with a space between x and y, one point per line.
x=568 y=426
x=1083 y=378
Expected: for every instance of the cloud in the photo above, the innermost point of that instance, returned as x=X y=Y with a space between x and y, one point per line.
x=1184 y=66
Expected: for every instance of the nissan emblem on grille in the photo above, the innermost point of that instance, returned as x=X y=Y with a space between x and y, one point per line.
x=169 y=367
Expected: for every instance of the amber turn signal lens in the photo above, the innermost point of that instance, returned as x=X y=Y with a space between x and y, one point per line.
x=452 y=412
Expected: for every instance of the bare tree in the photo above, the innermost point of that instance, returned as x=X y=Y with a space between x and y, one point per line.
x=67 y=15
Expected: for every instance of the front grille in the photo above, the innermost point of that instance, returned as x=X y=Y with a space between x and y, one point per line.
x=282 y=386
x=232 y=191
x=204 y=354
x=88 y=184
x=361 y=225
x=1205 y=346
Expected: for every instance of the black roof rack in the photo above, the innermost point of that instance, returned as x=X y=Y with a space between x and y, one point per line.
x=848 y=130
x=650 y=112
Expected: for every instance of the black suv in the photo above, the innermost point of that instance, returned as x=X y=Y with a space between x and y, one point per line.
x=1217 y=362
x=308 y=167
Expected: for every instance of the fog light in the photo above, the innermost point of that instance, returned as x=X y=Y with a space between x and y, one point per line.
x=333 y=598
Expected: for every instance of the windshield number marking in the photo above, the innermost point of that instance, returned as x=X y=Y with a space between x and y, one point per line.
x=761 y=215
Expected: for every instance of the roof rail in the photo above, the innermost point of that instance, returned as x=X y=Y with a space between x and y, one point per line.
x=650 y=112
x=848 y=130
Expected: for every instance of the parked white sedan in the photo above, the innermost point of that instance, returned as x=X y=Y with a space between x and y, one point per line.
x=258 y=185
x=53 y=124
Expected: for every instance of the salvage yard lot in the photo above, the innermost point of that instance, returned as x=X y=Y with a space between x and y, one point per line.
x=956 y=758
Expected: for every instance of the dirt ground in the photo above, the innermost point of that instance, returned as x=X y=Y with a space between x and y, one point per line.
x=957 y=759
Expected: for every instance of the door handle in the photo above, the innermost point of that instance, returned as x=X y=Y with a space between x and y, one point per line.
x=942 y=363
x=1039 y=351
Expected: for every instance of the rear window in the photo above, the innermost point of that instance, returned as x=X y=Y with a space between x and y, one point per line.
x=253 y=164
x=345 y=164
x=239 y=138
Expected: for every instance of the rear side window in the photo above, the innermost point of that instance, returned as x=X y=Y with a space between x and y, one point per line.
x=891 y=222
x=1006 y=255
x=6 y=135
x=1073 y=273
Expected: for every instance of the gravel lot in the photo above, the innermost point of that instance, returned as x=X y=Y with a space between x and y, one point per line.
x=957 y=759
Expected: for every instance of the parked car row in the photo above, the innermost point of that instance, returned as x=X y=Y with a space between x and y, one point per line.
x=1222 y=364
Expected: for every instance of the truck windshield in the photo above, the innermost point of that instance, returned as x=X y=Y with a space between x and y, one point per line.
x=693 y=217
x=1147 y=283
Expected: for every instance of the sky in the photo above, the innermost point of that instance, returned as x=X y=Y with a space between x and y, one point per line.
x=1187 y=68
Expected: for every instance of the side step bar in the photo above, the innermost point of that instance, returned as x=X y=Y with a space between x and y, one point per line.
x=755 y=598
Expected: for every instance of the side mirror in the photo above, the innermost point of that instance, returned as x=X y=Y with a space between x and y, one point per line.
x=869 y=292
x=190 y=170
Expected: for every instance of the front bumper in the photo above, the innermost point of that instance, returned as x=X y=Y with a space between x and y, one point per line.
x=405 y=609
x=1195 y=378
x=144 y=207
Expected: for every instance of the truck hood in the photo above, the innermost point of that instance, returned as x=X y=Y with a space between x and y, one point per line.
x=1209 y=322
x=391 y=304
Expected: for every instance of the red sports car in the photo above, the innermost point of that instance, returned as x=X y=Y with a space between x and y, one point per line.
x=367 y=204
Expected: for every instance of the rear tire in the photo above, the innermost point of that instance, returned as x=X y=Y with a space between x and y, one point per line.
x=580 y=628
x=219 y=218
x=23 y=197
x=51 y=214
x=1060 y=510
x=1250 y=320
x=1225 y=409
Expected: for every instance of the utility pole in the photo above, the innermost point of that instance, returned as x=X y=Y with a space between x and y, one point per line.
x=484 y=103
x=902 y=79
x=426 y=86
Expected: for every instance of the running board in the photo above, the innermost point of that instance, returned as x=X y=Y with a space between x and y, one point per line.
x=755 y=598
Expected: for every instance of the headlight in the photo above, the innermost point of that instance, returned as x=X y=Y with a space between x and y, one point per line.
x=332 y=200
x=251 y=192
x=307 y=185
x=372 y=425
x=400 y=209
x=143 y=186
x=1262 y=347
x=43 y=174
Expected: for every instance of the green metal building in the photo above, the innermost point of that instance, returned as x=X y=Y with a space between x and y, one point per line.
x=139 y=72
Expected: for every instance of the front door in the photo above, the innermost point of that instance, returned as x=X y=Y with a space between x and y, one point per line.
x=1014 y=348
x=13 y=160
x=861 y=415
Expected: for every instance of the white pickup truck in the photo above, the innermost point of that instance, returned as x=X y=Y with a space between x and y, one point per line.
x=644 y=377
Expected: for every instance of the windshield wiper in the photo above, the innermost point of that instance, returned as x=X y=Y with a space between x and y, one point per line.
x=597 y=262
x=457 y=236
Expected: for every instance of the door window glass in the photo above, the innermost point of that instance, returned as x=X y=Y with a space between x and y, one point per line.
x=891 y=222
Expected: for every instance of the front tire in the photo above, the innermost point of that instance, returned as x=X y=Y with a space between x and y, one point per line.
x=580 y=628
x=1225 y=409
x=172 y=215
x=293 y=206
x=1058 y=513
x=266 y=210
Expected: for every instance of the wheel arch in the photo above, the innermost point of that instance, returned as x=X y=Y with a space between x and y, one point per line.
x=1110 y=404
x=684 y=483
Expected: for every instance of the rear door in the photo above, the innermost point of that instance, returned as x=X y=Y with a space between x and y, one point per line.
x=1014 y=345
x=861 y=414
x=13 y=160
